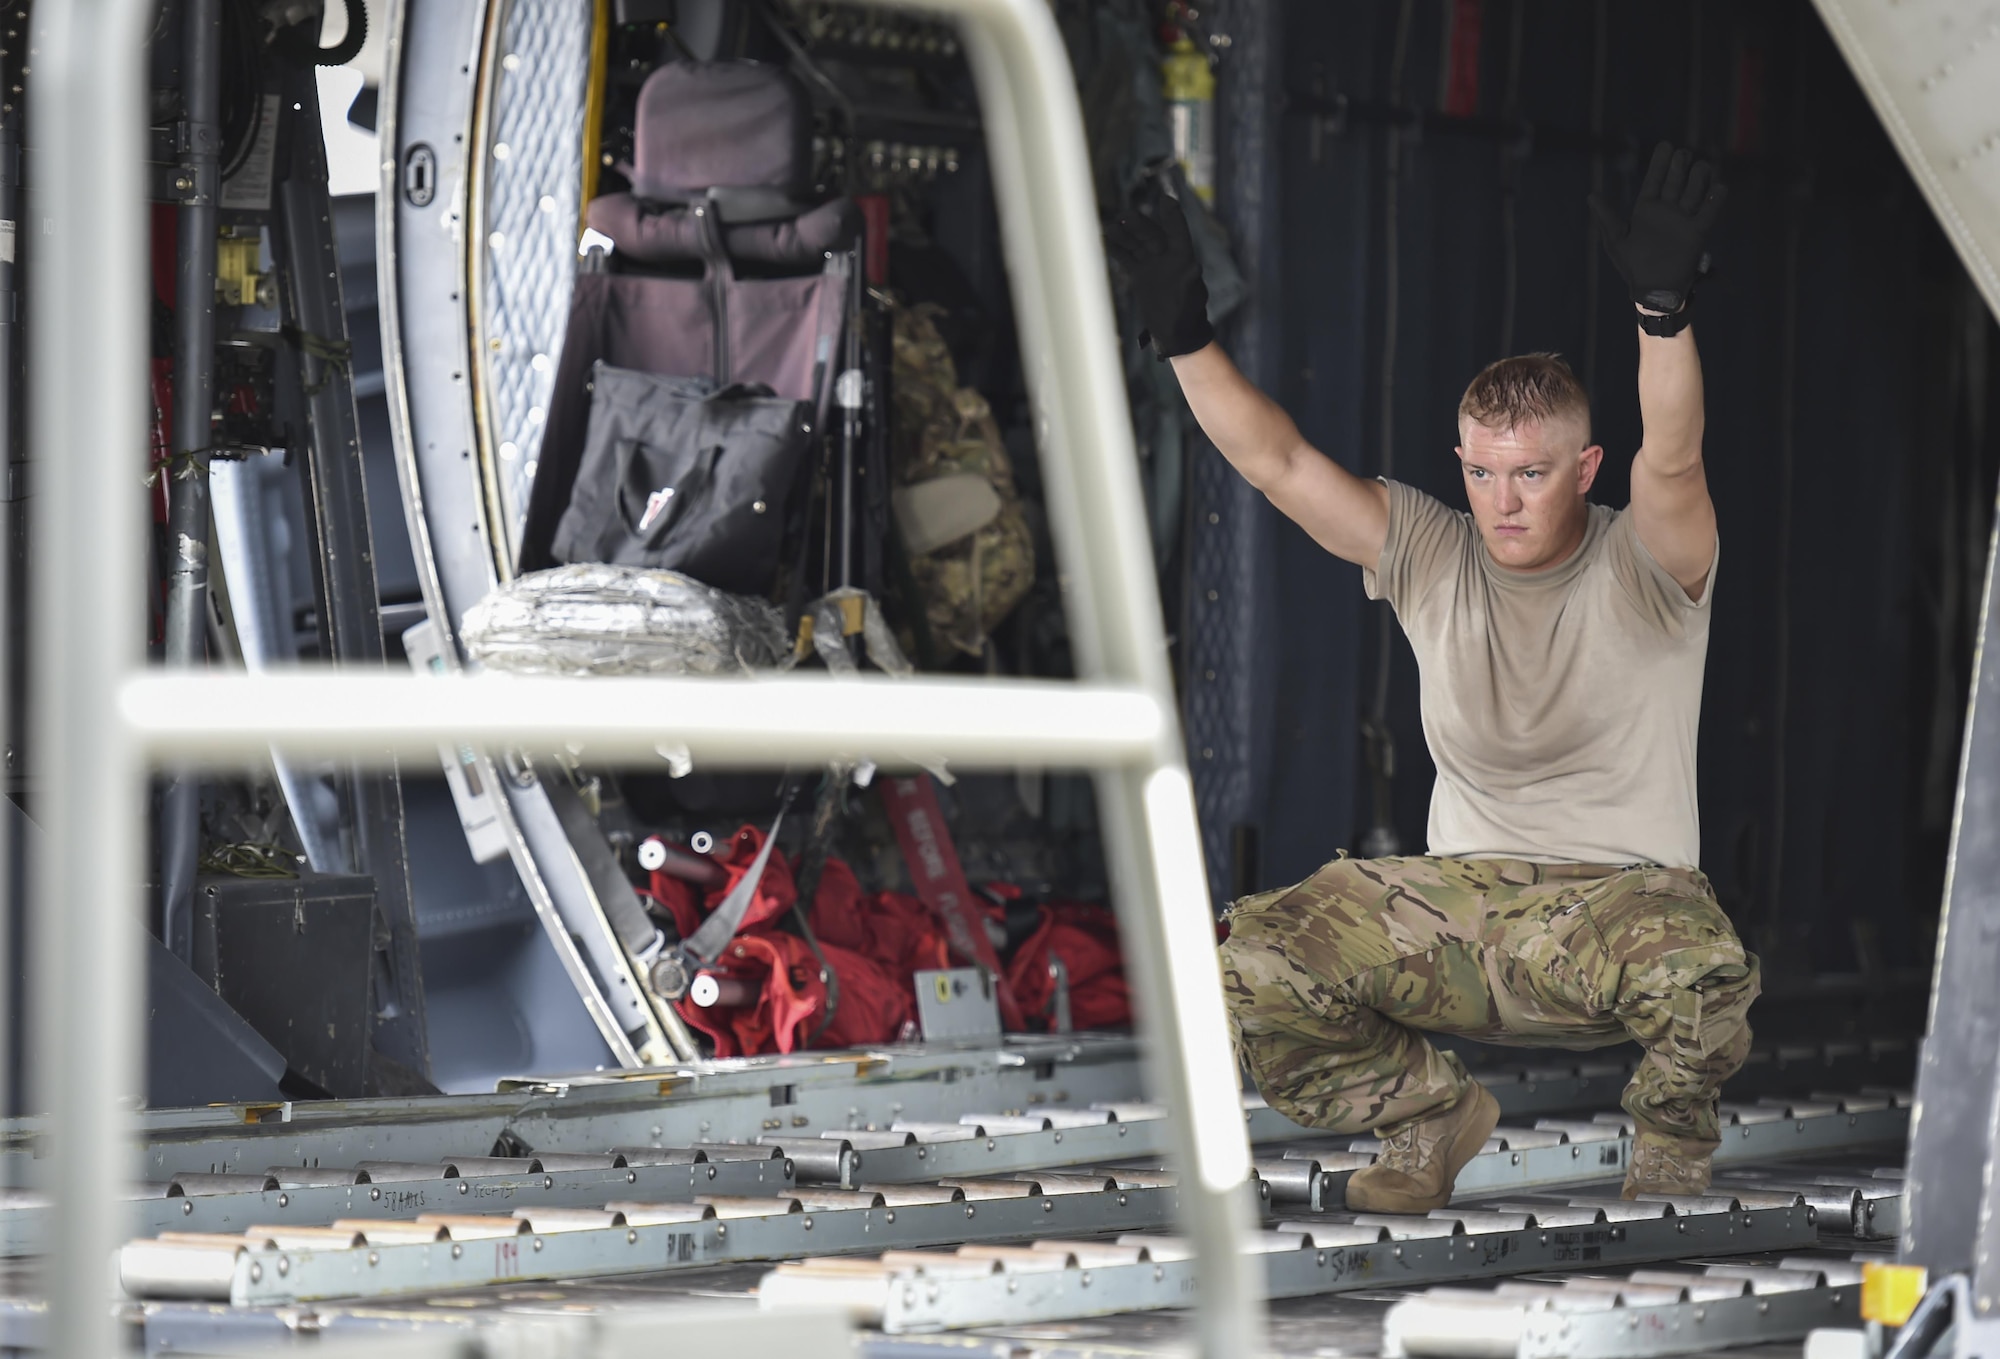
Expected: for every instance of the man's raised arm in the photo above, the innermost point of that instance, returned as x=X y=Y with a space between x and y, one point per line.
x=1149 y=244
x=1660 y=255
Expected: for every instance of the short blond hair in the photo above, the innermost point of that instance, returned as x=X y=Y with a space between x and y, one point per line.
x=1526 y=389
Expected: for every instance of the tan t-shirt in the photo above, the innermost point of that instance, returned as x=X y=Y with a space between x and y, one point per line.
x=1560 y=706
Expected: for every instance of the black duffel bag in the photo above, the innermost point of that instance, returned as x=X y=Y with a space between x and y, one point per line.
x=679 y=476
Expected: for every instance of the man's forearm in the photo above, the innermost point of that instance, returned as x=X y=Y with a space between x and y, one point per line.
x=1670 y=402
x=1251 y=430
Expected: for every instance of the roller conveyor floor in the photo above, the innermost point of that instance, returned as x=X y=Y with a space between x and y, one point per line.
x=1038 y=1221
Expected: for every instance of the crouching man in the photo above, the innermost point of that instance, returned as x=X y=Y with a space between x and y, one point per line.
x=1560 y=646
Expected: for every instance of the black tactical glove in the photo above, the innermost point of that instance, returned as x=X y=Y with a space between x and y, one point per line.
x=1153 y=258
x=1660 y=254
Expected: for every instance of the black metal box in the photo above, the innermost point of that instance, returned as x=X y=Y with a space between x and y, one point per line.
x=293 y=957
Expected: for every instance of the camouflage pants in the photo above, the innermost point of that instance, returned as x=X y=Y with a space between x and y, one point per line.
x=1329 y=982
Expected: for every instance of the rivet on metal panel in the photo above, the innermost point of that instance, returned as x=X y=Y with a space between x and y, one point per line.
x=374 y=1195
x=256 y=1274
x=187 y=1206
x=890 y=1217
x=807 y=1224
x=968 y=1210
x=538 y=1243
x=631 y=1238
x=1086 y=1279
x=374 y=1258
x=1048 y=1205
x=457 y=1251
x=464 y=1188
x=284 y=1200
x=284 y=1266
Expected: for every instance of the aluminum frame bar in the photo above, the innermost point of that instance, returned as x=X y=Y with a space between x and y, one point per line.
x=87 y=97
x=234 y=718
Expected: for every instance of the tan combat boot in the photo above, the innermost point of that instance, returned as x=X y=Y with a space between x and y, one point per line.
x=1665 y=1164
x=1419 y=1165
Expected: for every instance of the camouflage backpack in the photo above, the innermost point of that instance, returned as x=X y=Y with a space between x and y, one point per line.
x=971 y=554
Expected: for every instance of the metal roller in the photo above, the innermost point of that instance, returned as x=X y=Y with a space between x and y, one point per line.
x=1061 y=1183
x=306 y=1238
x=1272 y=1243
x=1624 y=1122
x=1551 y=1295
x=1021 y=1259
x=661 y=1156
x=1764 y=1279
x=147 y=1189
x=1857 y=1104
x=1078 y=1118
x=661 y=1214
x=1290 y=1181
x=1699 y=1287
x=740 y=1151
x=915 y=1195
x=1751 y=1114
x=1479 y=1223
x=1095 y=1254
x=1623 y=1210
x=824 y=1160
x=407 y=1172
x=474 y=1226
x=194 y=1184
x=1135 y=1112
x=1579 y=1130
x=1837 y=1208
x=561 y=1161
x=939 y=1132
x=1839 y=1273
x=1161 y=1249
x=1526 y=1139
x=1403 y=1228
x=1630 y=1293
x=978 y=1191
x=1145 y=1179
x=828 y=1200
x=471 y=1166
x=178 y=1269
x=547 y=1221
x=871 y=1140
x=1687 y=1204
x=937 y=1264
x=1767 y=1198
x=731 y=1206
x=1332 y=1235
x=1801 y=1108
x=316 y=1177
x=390 y=1232
x=1001 y=1125
x=1553 y=1214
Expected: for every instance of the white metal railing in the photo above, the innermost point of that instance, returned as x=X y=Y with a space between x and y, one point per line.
x=101 y=718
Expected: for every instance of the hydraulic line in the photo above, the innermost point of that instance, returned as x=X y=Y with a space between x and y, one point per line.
x=1381 y=839
x=194 y=382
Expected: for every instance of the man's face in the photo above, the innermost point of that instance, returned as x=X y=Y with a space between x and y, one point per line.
x=1526 y=487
